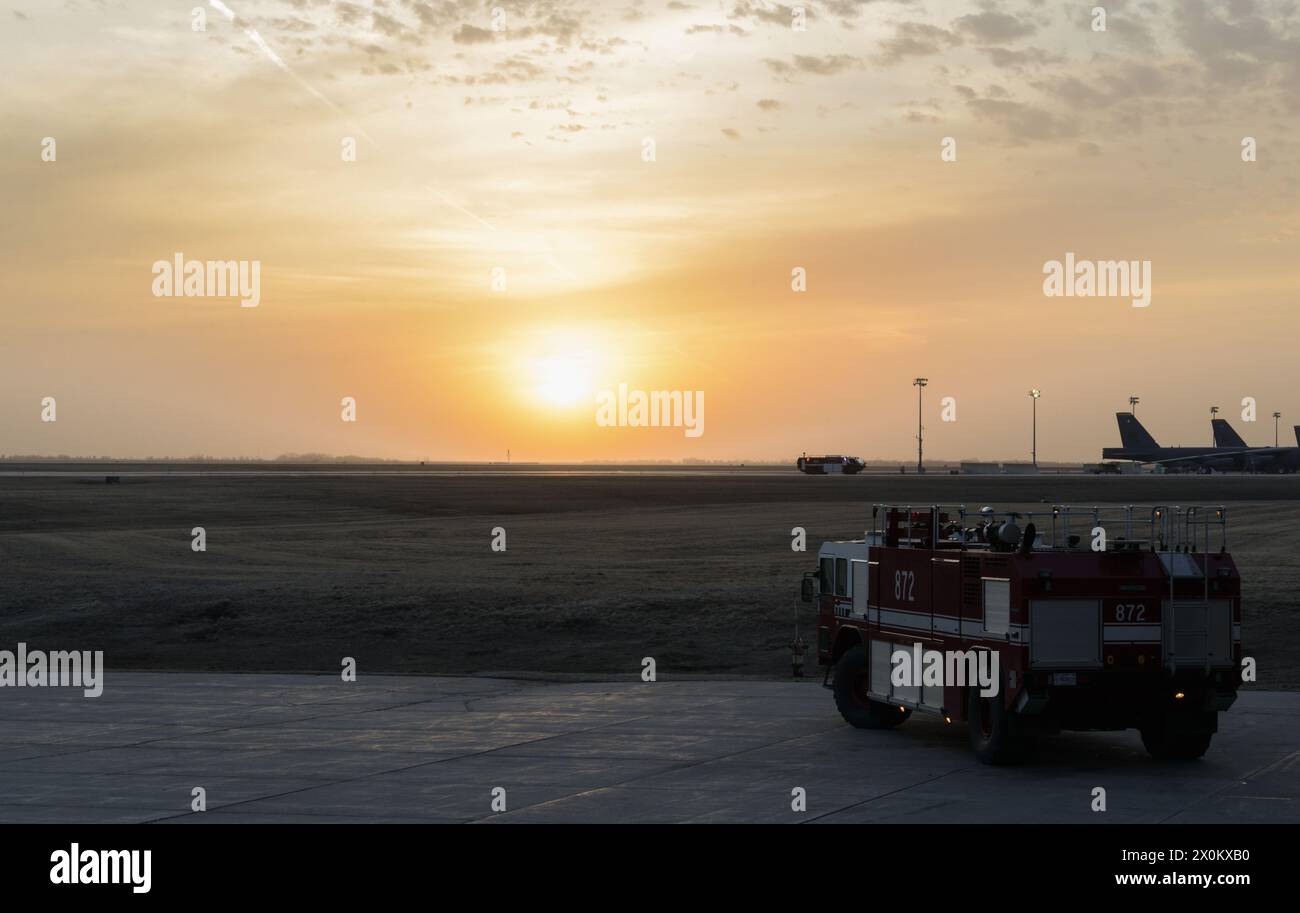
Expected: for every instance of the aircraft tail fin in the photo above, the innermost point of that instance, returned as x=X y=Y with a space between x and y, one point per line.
x=1224 y=435
x=1297 y=435
x=1131 y=433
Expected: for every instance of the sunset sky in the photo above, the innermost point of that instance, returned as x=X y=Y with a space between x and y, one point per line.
x=522 y=150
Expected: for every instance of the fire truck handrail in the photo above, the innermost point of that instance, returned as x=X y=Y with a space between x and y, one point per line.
x=1169 y=529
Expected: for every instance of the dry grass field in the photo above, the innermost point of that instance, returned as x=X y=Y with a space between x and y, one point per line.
x=694 y=569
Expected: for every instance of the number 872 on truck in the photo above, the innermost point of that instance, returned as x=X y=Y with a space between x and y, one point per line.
x=1103 y=620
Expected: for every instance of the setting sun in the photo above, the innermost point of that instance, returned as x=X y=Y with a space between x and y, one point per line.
x=563 y=381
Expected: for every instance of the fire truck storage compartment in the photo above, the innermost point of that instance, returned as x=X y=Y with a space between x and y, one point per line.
x=882 y=684
x=997 y=606
x=1064 y=633
x=1197 y=632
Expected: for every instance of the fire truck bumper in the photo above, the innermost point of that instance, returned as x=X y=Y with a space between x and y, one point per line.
x=1122 y=701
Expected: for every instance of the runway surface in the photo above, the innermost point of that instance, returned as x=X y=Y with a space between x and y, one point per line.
x=311 y=748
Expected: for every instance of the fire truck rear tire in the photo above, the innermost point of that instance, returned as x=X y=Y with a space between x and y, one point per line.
x=996 y=735
x=850 y=687
x=1164 y=745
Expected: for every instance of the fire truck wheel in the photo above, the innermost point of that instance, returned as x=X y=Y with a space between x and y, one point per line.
x=1164 y=745
x=996 y=736
x=851 y=695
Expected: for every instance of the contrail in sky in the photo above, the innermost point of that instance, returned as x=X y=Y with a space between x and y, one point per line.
x=279 y=62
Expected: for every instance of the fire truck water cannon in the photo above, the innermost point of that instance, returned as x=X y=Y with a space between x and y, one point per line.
x=1082 y=618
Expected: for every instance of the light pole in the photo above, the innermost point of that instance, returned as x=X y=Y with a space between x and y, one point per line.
x=919 y=383
x=1214 y=410
x=1276 y=416
x=1035 y=394
x=1133 y=404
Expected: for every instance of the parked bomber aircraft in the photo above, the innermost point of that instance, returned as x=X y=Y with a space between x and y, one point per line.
x=1229 y=453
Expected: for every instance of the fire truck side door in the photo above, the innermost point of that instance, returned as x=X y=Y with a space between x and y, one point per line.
x=945 y=596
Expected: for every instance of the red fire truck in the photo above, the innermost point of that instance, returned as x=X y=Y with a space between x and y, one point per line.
x=1101 y=620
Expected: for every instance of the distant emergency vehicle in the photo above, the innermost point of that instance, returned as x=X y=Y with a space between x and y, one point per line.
x=1121 y=619
x=826 y=465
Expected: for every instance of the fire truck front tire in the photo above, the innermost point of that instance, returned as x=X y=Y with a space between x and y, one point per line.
x=851 y=686
x=1164 y=743
x=996 y=734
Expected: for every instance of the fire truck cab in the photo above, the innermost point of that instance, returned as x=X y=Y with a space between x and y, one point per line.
x=1083 y=619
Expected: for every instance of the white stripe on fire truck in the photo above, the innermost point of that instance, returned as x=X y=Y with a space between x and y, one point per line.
x=1144 y=634
x=1133 y=634
x=944 y=624
x=971 y=628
